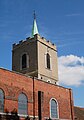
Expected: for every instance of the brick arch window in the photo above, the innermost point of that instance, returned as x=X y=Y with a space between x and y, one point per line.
x=53 y=109
x=1 y=100
x=22 y=104
x=48 y=60
x=24 y=61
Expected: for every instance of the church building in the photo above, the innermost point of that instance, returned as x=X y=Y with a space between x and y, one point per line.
x=31 y=88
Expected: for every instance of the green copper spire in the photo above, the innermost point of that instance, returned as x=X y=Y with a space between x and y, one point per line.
x=34 y=28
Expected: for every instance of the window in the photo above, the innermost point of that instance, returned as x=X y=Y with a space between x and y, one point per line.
x=53 y=108
x=48 y=60
x=1 y=101
x=24 y=61
x=22 y=104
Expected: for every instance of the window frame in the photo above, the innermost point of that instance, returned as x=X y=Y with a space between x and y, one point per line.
x=57 y=109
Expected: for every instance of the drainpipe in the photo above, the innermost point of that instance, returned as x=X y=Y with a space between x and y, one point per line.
x=33 y=100
x=71 y=104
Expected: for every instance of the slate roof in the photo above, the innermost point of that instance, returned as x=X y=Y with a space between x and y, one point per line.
x=79 y=113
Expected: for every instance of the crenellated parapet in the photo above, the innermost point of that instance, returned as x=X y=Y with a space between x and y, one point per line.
x=36 y=37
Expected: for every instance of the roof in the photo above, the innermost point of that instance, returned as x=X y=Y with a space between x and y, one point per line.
x=79 y=113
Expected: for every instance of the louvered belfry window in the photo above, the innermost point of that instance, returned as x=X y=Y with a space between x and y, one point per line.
x=48 y=60
x=24 y=61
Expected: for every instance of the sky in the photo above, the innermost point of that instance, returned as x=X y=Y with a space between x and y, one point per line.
x=61 y=22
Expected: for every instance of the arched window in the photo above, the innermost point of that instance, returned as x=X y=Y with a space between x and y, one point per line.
x=48 y=60
x=24 y=61
x=22 y=104
x=1 y=101
x=53 y=108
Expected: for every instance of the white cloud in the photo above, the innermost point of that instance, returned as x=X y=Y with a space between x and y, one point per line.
x=71 y=70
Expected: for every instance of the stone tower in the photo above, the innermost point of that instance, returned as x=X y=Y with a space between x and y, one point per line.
x=36 y=57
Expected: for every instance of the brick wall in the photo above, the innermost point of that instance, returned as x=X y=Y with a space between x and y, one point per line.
x=14 y=83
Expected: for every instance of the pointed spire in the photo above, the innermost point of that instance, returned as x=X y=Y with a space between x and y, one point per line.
x=34 y=28
x=34 y=15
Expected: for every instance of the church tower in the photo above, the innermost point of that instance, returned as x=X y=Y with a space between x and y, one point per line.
x=36 y=57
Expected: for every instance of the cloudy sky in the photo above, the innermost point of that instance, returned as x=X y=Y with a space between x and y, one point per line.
x=71 y=70
x=62 y=22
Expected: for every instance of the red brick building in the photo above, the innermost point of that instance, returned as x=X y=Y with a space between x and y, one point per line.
x=38 y=96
